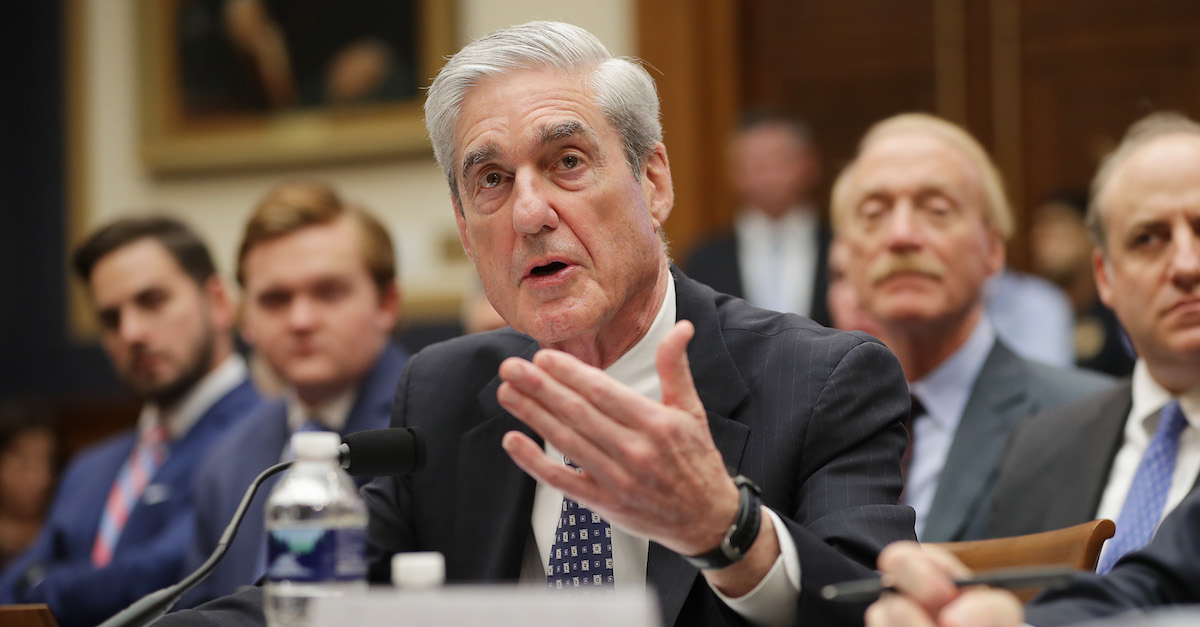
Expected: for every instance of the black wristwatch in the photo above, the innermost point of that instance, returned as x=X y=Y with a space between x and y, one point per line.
x=741 y=533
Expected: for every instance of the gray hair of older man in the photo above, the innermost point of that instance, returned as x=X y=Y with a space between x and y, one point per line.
x=1140 y=133
x=621 y=88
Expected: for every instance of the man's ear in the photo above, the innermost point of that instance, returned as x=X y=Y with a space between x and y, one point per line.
x=390 y=306
x=221 y=304
x=461 y=222
x=996 y=252
x=656 y=185
x=1102 y=271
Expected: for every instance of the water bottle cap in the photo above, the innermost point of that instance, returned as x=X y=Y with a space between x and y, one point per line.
x=424 y=569
x=316 y=444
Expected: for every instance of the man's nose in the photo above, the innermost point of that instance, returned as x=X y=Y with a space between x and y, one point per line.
x=133 y=327
x=903 y=229
x=532 y=211
x=302 y=314
x=1185 y=258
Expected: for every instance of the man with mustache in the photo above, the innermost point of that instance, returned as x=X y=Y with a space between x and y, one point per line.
x=1144 y=220
x=321 y=299
x=630 y=412
x=122 y=519
x=922 y=211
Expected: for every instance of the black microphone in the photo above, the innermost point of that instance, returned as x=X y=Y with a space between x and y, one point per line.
x=374 y=453
x=383 y=452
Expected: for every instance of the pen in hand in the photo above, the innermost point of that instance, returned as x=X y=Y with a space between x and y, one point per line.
x=867 y=590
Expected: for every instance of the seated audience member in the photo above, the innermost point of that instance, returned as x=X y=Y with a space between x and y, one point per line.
x=775 y=256
x=1062 y=252
x=845 y=311
x=28 y=469
x=923 y=213
x=657 y=388
x=320 y=300
x=1132 y=453
x=122 y=519
x=1032 y=316
x=1164 y=573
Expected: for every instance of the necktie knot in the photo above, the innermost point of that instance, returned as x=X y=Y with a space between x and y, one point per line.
x=1171 y=421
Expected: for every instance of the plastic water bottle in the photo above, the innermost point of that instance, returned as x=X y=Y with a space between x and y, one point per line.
x=316 y=533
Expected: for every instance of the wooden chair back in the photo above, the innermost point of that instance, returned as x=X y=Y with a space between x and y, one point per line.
x=1077 y=547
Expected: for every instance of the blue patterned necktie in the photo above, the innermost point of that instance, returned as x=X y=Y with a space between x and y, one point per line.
x=1143 y=507
x=581 y=555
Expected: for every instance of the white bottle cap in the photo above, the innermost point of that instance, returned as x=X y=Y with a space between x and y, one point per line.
x=316 y=444
x=426 y=569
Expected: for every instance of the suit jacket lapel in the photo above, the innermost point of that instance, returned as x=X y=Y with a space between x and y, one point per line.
x=721 y=390
x=998 y=397
x=494 y=497
x=1089 y=459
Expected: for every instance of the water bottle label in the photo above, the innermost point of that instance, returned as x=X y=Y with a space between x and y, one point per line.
x=316 y=554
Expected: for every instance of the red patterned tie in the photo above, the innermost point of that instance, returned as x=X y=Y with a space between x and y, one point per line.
x=135 y=475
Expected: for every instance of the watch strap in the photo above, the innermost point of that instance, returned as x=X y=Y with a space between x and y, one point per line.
x=740 y=535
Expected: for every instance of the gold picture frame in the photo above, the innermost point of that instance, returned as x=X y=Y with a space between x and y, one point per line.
x=178 y=136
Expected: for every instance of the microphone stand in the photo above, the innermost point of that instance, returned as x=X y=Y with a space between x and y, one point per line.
x=155 y=604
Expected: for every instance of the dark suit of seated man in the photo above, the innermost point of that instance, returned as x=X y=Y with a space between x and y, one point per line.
x=656 y=388
x=122 y=518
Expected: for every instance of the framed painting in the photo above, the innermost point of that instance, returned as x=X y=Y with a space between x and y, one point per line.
x=235 y=84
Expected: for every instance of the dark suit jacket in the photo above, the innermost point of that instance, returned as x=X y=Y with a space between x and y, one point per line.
x=1056 y=467
x=714 y=262
x=1166 y=572
x=247 y=450
x=1007 y=389
x=151 y=549
x=811 y=414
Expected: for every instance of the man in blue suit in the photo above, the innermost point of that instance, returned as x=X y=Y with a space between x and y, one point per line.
x=121 y=522
x=320 y=303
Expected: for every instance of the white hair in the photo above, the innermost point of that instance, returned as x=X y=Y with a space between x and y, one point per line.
x=620 y=87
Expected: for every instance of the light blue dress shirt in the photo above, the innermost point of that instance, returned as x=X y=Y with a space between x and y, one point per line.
x=944 y=394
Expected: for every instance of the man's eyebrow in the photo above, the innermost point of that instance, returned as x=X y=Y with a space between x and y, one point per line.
x=563 y=130
x=478 y=156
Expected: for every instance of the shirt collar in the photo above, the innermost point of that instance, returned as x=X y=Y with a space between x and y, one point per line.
x=798 y=218
x=944 y=392
x=192 y=406
x=1149 y=397
x=332 y=414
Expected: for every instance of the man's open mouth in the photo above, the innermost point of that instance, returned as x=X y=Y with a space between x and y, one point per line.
x=548 y=269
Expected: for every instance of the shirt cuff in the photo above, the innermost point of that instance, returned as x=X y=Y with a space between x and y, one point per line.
x=773 y=601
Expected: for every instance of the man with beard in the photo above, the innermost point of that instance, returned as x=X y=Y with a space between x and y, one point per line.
x=122 y=518
x=922 y=210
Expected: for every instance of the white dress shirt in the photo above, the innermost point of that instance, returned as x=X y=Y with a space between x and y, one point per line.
x=1148 y=398
x=778 y=258
x=944 y=393
x=770 y=603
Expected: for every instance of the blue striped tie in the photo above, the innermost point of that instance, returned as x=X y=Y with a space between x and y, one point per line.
x=1143 y=507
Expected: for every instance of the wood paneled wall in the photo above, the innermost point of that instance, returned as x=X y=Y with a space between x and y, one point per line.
x=1048 y=87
